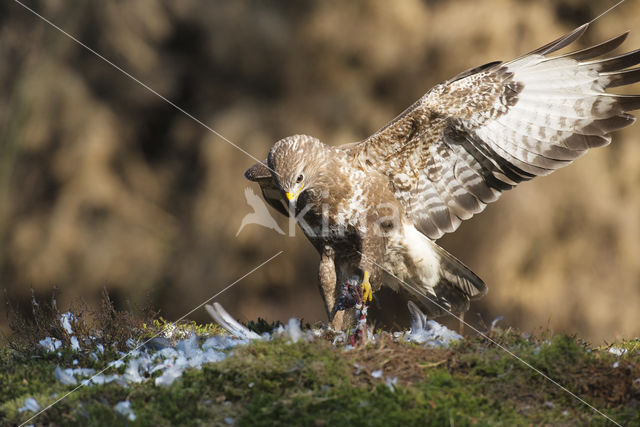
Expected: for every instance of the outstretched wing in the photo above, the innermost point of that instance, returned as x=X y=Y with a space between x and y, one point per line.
x=483 y=132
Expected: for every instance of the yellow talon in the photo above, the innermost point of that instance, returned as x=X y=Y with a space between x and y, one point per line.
x=367 y=292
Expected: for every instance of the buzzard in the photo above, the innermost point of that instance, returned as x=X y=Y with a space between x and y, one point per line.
x=374 y=209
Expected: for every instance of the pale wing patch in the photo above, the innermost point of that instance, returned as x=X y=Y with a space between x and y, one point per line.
x=491 y=128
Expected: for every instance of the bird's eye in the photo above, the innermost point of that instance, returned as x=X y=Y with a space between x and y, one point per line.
x=299 y=179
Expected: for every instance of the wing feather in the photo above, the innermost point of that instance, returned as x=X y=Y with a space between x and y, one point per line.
x=492 y=127
x=597 y=50
x=560 y=42
x=620 y=78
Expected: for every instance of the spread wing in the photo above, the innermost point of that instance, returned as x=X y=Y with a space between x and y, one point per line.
x=483 y=132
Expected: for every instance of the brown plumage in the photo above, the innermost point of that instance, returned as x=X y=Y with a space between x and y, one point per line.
x=379 y=205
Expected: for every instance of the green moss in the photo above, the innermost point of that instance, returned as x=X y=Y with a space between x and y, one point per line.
x=179 y=330
x=279 y=382
x=629 y=348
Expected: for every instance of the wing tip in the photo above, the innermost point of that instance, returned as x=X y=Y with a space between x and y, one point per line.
x=598 y=49
x=561 y=42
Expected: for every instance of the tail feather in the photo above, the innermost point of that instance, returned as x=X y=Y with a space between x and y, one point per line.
x=435 y=279
x=458 y=285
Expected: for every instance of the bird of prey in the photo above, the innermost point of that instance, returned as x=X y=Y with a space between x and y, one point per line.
x=373 y=209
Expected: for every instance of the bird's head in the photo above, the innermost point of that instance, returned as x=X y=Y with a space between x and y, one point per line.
x=294 y=163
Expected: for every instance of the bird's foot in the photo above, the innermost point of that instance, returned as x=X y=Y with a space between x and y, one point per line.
x=362 y=307
x=367 y=292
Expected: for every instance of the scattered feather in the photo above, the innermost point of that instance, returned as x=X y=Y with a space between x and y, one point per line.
x=293 y=330
x=131 y=374
x=124 y=408
x=230 y=324
x=64 y=377
x=429 y=332
x=30 y=404
x=495 y=322
x=617 y=351
x=75 y=345
x=50 y=344
x=65 y=321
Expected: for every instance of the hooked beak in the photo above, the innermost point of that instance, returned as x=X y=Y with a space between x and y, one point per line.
x=293 y=196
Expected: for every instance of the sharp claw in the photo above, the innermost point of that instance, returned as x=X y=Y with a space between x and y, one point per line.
x=367 y=292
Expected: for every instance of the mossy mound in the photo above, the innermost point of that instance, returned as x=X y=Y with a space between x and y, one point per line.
x=317 y=383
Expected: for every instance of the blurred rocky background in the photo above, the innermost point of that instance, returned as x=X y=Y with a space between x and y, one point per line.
x=102 y=183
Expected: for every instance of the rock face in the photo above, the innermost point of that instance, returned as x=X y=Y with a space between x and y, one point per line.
x=102 y=182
